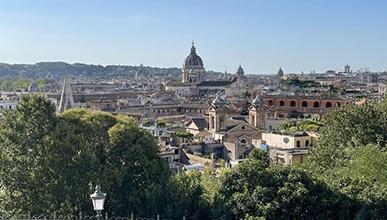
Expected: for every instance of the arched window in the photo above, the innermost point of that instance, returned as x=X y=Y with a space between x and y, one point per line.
x=282 y=103
x=243 y=141
x=316 y=104
x=270 y=103
x=328 y=105
x=293 y=104
x=338 y=104
x=304 y=104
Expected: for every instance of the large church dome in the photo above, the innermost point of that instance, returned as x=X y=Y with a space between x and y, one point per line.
x=240 y=72
x=193 y=60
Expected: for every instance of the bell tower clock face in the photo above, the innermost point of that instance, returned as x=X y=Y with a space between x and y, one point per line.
x=286 y=140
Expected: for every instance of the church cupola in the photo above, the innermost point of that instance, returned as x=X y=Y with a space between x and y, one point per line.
x=193 y=60
x=193 y=68
x=280 y=72
x=240 y=72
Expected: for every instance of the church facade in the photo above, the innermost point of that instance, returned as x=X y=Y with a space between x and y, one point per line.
x=237 y=133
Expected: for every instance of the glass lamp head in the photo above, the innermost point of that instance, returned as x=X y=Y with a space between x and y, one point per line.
x=98 y=198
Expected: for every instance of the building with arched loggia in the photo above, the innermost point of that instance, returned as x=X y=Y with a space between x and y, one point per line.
x=294 y=106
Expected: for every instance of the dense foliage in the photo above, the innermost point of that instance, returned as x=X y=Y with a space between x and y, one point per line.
x=57 y=69
x=51 y=163
x=350 y=126
x=312 y=125
x=351 y=156
x=254 y=189
x=299 y=83
x=22 y=84
x=182 y=136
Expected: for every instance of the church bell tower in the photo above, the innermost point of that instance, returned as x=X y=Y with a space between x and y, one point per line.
x=257 y=113
x=217 y=114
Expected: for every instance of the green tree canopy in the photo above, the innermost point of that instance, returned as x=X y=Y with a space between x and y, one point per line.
x=253 y=190
x=351 y=156
x=348 y=127
x=306 y=125
x=51 y=162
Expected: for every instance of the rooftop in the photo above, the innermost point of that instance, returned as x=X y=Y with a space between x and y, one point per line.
x=201 y=123
x=215 y=83
x=289 y=133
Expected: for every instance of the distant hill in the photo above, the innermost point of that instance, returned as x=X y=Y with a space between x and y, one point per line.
x=58 y=69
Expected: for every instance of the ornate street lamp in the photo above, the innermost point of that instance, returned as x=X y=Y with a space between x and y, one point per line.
x=98 y=199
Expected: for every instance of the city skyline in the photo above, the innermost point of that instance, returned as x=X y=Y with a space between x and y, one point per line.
x=260 y=36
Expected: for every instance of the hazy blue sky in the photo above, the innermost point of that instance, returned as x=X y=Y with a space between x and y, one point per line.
x=259 y=35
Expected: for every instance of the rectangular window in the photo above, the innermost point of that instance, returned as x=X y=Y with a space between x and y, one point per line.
x=298 y=143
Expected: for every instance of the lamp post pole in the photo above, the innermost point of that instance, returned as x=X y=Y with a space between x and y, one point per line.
x=99 y=215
